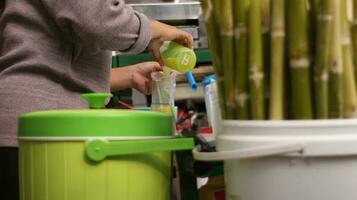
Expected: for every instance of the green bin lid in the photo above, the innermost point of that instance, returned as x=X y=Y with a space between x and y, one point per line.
x=98 y=122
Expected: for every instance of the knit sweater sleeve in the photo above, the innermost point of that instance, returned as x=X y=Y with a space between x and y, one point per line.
x=103 y=24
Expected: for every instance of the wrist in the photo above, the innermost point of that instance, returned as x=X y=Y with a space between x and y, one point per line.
x=131 y=72
x=155 y=29
x=121 y=78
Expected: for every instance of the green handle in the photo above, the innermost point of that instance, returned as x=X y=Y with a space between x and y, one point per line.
x=98 y=150
x=96 y=100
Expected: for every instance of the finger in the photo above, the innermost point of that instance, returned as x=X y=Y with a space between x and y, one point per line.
x=139 y=83
x=190 y=41
x=156 y=52
x=148 y=87
x=147 y=68
x=155 y=66
x=185 y=39
x=143 y=85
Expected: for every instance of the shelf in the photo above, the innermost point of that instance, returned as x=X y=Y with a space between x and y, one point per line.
x=183 y=92
x=199 y=73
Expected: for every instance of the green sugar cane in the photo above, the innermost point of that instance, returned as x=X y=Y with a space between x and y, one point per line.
x=349 y=85
x=256 y=69
x=299 y=60
x=227 y=42
x=241 y=58
x=211 y=21
x=335 y=66
x=276 y=103
x=354 y=37
x=323 y=44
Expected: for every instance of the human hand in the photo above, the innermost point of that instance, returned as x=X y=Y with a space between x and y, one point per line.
x=141 y=76
x=162 y=32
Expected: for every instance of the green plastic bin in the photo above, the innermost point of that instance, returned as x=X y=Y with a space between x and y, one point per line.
x=96 y=155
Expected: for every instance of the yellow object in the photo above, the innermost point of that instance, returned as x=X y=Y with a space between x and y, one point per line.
x=163 y=108
x=166 y=71
x=178 y=57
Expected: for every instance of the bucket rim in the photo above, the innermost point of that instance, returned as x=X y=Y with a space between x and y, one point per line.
x=290 y=123
x=90 y=138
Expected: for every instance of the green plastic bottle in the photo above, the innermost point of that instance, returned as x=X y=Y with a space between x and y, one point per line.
x=178 y=57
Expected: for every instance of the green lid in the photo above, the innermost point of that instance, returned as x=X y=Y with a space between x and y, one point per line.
x=96 y=100
x=74 y=123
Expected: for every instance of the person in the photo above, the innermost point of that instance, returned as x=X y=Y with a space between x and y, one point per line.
x=51 y=51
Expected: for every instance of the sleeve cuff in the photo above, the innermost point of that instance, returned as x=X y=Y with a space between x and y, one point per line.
x=144 y=35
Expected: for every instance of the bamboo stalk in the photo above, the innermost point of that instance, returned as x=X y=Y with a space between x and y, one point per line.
x=241 y=57
x=220 y=80
x=227 y=42
x=297 y=24
x=350 y=96
x=313 y=18
x=323 y=44
x=265 y=15
x=354 y=36
x=336 y=69
x=276 y=111
x=256 y=69
x=266 y=26
x=214 y=43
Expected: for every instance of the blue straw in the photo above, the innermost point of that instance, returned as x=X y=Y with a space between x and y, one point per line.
x=191 y=80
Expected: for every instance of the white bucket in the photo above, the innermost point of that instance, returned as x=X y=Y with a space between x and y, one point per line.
x=288 y=160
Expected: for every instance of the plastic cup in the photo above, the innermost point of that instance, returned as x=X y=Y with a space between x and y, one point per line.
x=178 y=57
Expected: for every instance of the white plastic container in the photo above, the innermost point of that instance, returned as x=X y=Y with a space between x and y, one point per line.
x=212 y=105
x=288 y=160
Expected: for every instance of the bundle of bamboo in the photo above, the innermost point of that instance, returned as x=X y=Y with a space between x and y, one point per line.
x=283 y=59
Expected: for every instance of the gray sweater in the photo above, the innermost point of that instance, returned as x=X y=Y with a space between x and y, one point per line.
x=53 y=50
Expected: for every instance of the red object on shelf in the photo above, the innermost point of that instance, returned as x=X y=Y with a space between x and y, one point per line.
x=206 y=131
x=122 y=103
x=220 y=195
x=182 y=114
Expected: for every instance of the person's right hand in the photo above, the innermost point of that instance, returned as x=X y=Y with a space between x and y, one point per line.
x=141 y=76
x=162 y=32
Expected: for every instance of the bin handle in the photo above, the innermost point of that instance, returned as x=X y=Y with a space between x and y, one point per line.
x=98 y=150
x=250 y=152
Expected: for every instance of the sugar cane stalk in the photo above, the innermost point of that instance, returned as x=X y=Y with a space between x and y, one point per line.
x=335 y=66
x=276 y=103
x=227 y=42
x=350 y=96
x=313 y=17
x=241 y=57
x=323 y=44
x=354 y=36
x=256 y=70
x=266 y=25
x=214 y=44
x=299 y=61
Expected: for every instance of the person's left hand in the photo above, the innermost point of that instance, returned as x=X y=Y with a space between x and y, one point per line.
x=141 y=79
